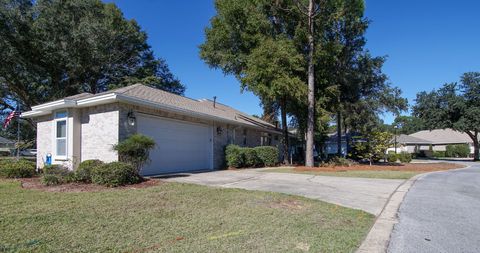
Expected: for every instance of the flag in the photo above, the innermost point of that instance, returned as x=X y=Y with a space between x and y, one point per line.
x=9 y=118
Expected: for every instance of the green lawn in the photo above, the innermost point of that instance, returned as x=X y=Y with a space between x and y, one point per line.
x=354 y=173
x=173 y=217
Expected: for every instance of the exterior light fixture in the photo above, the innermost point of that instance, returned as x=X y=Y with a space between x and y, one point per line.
x=131 y=118
x=219 y=130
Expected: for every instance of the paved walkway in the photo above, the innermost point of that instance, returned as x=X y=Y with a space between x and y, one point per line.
x=366 y=194
x=440 y=213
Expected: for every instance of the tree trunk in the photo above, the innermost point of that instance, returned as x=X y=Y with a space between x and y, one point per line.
x=476 y=151
x=309 y=162
x=283 y=108
x=339 y=133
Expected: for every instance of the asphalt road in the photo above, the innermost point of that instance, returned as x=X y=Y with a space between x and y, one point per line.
x=440 y=213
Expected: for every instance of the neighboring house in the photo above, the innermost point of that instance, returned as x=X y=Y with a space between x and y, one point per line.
x=410 y=144
x=437 y=139
x=190 y=134
x=6 y=143
x=330 y=145
x=6 y=146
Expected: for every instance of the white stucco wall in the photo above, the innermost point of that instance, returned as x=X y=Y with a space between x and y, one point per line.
x=100 y=131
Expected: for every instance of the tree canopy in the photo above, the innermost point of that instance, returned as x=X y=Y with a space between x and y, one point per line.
x=57 y=48
x=455 y=105
x=408 y=124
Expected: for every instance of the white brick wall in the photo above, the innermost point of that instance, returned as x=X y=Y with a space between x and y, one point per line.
x=100 y=131
x=44 y=139
x=100 y=127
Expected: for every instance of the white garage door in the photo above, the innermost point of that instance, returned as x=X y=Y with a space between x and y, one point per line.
x=180 y=146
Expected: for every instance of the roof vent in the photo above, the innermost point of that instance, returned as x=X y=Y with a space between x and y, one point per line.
x=214 y=101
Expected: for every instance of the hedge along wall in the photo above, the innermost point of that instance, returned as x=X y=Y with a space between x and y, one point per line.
x=459 y=150
x=239 y=157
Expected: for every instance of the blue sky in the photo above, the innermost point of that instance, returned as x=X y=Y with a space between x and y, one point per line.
x=428 y=43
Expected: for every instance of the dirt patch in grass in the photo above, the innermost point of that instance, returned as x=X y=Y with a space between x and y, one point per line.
x=414 y=167
x=36 y=184
x=288 y=204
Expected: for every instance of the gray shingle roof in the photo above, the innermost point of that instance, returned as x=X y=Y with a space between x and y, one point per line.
x=79 y=96
x=5 y=140
x=407 y=139
x=202 y=106
x=443 y=136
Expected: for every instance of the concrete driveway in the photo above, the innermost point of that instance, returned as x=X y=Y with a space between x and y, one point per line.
x=366 y=194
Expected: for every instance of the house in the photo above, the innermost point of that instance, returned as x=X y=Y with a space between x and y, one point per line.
x=6 y=146
x=348 y=141
x=435 y=140
x=6 y=143
x=190 y=134
x=409 y=144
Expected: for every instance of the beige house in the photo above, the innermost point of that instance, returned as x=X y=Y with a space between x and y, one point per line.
x=190 y=134
x=437 y=139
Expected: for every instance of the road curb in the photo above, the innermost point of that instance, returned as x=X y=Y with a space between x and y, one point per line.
x=378 y=237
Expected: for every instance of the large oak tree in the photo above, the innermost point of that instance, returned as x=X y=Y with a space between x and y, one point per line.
x=55 y=48
x=455 y=105
x=50 y=49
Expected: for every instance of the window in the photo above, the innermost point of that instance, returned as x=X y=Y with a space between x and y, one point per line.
x=245 y=137
x=266 y=139
x=61 y=134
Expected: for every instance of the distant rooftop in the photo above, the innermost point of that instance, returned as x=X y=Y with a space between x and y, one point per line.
x=4 y=140
x=442 y=136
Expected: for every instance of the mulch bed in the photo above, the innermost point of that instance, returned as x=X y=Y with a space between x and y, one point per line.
x=34 y=183
x=422 y=167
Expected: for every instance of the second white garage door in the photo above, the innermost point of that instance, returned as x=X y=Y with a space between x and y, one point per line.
x=180 y=146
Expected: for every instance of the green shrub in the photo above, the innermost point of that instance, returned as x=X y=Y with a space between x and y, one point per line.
x=135 y=150
x=392 y=157
x=57 y=174
x=251 y=158
x=268 y=155
x=340 y=161
x=115 y=174
x=459 y=150
x=51 y=179
x=11 y=168
x=405 y=157
x=234 y=156
x=239 y=157
x=83 y=172
x=439 y=154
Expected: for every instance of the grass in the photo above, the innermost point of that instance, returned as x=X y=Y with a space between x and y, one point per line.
x=385 y=171
x=385 y=174
x=173 y=217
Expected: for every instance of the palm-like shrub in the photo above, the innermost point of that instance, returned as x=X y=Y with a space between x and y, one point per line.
x=135 y=150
